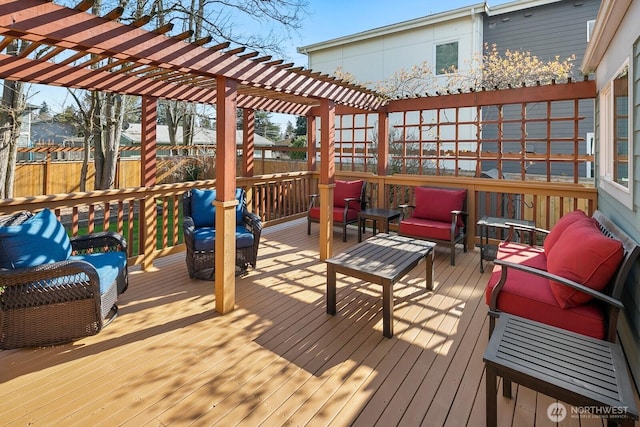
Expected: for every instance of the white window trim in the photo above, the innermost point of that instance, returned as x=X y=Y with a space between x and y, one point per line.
x=622 y=194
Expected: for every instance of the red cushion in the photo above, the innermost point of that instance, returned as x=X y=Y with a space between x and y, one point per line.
x=347 y=190
x=561 y=225
x=426 y=228
x=437 y=203
x=585 y=255
x=338 y=214
x=527 y=295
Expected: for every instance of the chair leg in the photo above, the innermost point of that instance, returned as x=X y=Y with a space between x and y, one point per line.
x=308 y=228
x=344 y=233
x=453 y=255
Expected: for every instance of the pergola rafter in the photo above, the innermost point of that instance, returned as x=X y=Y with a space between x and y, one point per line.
x=149 y=63
x=83 y=51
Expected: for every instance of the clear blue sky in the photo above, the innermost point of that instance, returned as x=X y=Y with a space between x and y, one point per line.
x=328 y=19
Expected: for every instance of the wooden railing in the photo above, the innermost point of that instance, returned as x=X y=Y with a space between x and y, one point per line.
x=150 y=217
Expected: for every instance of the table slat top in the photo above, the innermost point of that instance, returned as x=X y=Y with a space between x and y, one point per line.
x=384 y=255
x=559 y=357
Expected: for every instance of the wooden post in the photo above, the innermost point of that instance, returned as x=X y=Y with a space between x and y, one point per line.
x=225 y=203
x=311 y=143
x=248 y=141
x=327 y=176
x=147 y=215
x=383 y=155
x=248 y=148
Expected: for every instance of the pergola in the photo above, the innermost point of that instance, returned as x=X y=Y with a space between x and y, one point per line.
x=99 y=54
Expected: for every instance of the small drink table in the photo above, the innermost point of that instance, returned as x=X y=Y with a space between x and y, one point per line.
x=488 y=252
x=385 y=216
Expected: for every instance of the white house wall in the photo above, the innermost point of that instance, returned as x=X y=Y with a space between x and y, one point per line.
x=376 y=59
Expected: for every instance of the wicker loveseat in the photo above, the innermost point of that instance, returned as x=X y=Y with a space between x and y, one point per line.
x=199 y=219
x=54 y=289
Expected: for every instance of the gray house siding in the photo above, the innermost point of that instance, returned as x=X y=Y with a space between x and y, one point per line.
x=556 y=29
x=629 y=221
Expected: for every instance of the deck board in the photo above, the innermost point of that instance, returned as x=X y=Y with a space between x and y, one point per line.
x=278 y=358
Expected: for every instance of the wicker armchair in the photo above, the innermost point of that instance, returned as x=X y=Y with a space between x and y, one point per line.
x=200 y=233
x=57 y=300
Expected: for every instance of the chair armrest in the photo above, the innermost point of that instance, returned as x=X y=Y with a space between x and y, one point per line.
x=102 y=241
x=348 y=200
x=405 y=209
x=312 y=200
x=506 y=265
x=532 y=230
x=43 y=277
x=252 y=222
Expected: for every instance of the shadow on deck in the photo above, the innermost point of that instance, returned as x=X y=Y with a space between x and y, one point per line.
x=278 y=358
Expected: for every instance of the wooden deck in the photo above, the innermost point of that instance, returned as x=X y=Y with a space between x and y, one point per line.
x=278 y=359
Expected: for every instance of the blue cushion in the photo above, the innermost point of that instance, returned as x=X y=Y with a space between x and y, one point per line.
x=41 y=239
x=240 y=206
x=244 y=238
x=205 y=238
x=203 y=211
x=108 y=265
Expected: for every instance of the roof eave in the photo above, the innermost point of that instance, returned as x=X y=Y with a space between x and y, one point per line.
x=608 y=20
x=396 y=28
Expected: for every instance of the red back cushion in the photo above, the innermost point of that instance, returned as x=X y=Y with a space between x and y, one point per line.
x=346 y=190
x=585 y=255
x=561 y=225
x=437 y=203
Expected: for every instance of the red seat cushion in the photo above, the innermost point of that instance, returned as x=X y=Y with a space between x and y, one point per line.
x=426 y=228
x=338 y=213
x=529 y=296
x=561 y=225
x=585 y=255
x=347 y=190
x=437 y=203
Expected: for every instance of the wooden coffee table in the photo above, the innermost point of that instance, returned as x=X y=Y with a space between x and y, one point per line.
x=383 y=259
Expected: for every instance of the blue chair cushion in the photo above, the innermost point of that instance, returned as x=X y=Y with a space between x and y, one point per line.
x=205 y=238
x=203 y=211
x=108 y=265
x=41 y=239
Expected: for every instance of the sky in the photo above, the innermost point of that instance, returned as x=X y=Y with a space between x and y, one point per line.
x=327 y=19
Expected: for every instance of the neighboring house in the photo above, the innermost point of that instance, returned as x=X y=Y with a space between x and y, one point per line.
x=132 y=136
x=53 y=132
x=612 y=54
x=443 y=40
x=546 y=28
x=24 y=138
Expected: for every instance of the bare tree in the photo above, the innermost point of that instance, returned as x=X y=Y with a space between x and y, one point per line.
x=11 y=111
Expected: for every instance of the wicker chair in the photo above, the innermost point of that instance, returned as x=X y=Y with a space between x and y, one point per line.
x=57 y=300
x=200 y=233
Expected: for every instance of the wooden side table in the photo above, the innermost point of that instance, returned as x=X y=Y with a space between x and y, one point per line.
x=488 y=252
x=585 y=372
x=385 y=216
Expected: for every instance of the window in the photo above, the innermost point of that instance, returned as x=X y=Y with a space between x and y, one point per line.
x=615 y=143
x=590 y=25
x=446 y=57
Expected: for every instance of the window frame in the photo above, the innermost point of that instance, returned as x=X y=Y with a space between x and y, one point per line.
x=438 y=72
x=623 y=194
